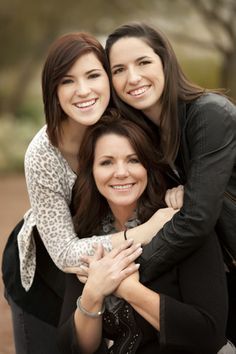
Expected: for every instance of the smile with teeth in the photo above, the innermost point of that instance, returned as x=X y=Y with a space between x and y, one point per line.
x=86 y=104
x=122 y=186
x=139 y=91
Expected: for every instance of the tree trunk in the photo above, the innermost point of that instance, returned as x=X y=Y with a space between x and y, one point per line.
x=228 y=73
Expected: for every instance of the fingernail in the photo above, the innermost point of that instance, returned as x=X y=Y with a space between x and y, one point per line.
x=137 y=265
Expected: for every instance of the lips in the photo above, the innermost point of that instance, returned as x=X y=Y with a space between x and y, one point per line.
x=138 y=91
x=86 y=104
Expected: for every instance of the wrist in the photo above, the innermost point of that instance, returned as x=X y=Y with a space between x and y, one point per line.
x=91 y=300
x=87 y=313
x=128 y=289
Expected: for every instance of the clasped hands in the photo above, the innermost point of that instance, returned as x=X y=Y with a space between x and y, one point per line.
x=109 y=273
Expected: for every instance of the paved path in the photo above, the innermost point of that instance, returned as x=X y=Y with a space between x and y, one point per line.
x=13 y=204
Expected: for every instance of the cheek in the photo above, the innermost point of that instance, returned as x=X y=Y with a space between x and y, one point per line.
x=117 y=84
x=100 y=178
x=62 y=95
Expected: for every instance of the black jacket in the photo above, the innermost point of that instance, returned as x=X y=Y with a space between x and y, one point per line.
x=206 y=163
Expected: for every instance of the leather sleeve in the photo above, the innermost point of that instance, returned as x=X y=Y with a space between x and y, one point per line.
x=209 y=149
x=197 y=322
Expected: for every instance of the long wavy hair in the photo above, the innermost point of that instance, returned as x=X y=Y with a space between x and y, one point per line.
x=89 y=207
x=177 y=87
x=62 y=55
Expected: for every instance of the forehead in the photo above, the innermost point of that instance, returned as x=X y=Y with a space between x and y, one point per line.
x=129 y=48
x=86 y=62
x=111 y=143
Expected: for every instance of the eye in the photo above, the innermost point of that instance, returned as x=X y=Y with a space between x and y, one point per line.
x=105 y=162
x=66 y=81
x=94 y=75
x=117 y=71
x=134 y=160
x=144 y=62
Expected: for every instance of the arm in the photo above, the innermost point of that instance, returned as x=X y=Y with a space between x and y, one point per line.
x=195 y=319
x=209 y=153
x=105 y=274
x=145 y=301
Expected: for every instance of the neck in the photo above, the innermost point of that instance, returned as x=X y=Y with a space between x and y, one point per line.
x=71 y=137
x=122 y=215
x=154 y=114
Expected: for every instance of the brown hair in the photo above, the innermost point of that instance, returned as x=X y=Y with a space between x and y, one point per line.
x=177 y=87
x=89 y=206
x=63 y=53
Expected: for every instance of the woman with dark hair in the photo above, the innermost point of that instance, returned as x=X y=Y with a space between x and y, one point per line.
x=76 y=93
x=122 y=183
x=197 y=128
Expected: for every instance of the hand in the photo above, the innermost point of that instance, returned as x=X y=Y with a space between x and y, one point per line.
x=174 y=197
x=81 y=272
x=104 y=273
x=127 y=282
x=156 y=223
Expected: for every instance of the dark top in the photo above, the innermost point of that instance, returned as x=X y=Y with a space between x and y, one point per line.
x=207 y=167
x=193 y=309
x=48 y=281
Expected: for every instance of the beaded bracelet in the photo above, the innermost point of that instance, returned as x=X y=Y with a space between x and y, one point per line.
x=87 y=313
x=125 y=236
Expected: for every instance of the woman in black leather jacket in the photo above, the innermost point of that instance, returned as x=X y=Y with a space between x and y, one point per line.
x=198 y=140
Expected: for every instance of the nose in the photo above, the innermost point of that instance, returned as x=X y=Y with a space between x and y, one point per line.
x=82 y=89
x=121 y=170
x=133 y=76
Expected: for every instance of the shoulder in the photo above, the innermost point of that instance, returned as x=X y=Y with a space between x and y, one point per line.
x=41 y=153
x=213 y=101
x=211 y=109
x=44 y=164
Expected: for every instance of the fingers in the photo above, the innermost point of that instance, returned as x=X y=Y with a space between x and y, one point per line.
x=82 y=279
x=174 y=197
x=125 y=245
x=129 y=270
x=79 y=271
x=74 y=270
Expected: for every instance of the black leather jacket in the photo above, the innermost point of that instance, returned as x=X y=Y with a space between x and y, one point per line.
x=207 y=166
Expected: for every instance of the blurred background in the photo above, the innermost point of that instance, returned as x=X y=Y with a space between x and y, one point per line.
x=203 y=34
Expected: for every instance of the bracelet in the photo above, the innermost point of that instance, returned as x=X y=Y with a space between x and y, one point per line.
x=87 y=313
x=125 y=234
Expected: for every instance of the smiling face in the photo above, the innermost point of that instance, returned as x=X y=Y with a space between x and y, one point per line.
x=84 y=91
x=118 y=173
x=137 y=75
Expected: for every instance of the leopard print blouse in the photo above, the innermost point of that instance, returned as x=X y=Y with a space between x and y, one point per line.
x=50 y=180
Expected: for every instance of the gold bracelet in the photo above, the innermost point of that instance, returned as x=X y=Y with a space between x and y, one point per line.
x=87 y=313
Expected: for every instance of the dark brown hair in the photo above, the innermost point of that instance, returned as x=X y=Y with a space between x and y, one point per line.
x=177 y=87
x=89 y=206
x=63 y=53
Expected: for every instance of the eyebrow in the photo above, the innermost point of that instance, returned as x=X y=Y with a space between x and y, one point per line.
x=136 y=60
x=86 y=73
x=111 y=157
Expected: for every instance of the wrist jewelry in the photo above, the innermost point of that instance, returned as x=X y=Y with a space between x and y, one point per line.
x=87 y=313
x=125 y=236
